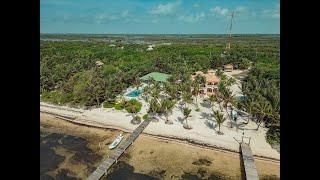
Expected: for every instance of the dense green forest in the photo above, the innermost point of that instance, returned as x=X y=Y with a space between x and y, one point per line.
x=69 y=74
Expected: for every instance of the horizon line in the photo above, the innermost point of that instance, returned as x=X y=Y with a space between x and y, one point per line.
x=162 y=33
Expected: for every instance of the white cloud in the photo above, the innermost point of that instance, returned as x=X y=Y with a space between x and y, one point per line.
x=192 y=18
x=272 y=13
x=105 y=17
x=125 y=13
x=241 y=9
x=155 y=21
x=219 y=11
x=165 y=9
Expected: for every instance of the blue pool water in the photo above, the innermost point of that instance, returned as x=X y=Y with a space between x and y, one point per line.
x=134 y=93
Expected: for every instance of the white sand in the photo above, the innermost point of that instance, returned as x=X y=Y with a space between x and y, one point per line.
x=200 y=121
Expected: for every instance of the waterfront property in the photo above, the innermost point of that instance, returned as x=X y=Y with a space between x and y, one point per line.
x=210 y=84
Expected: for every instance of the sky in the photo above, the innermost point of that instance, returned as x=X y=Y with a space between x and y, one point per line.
x=159 y=16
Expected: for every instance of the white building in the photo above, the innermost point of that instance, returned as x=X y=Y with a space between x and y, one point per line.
x=150 y=48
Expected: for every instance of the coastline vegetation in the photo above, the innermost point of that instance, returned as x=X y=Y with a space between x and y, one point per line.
x=69 y=75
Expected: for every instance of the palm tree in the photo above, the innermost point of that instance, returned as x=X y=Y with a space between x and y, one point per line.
x=155 y=92
x=262 y=109
x=137 y=83
x=146 y=92
x=171 y=90
x=154 y=106
x=228 y=101
x=219 y=118
x=212 y=99
x=196 y=91
x=248 y=105
x=230 y=81
x=219 y=72
x=186 y=97
x=186 y=113
x=167 y=106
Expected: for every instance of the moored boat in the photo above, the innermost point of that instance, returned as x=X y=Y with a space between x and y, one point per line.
x=116 y=142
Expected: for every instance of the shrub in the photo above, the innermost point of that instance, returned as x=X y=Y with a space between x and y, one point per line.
x=145 y=117
x=273 y=135
x=52 y=96
x=118 y=106
x=137 y=118
x=133 y=106
x=108 y=104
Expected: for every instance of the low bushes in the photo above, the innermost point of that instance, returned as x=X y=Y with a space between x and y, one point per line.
x=118 y=106
x=133 y=106
x=145 y=117
x=107 y=104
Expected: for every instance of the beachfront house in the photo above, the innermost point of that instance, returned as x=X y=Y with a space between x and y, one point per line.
x=211 y=82
x=228 y=67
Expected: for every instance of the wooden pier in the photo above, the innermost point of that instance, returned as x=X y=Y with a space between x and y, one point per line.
x=113 y=158
x=248 y=162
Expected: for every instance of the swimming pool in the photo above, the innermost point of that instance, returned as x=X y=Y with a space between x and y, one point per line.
x=134 y=93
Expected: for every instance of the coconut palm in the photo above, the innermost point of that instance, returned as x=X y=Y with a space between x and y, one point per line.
x=137 y=83
x=154 y=106
x=187 y=98
x=186 y=113
x=171 y=90
x=219 y=72
x=196 y=91
x=228 y=101
x=146 y=93
x=219 y=119
x=167 y=106
x=263 y=109
x=248 y=105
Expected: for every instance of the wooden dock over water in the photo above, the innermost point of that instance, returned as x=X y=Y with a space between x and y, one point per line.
x=113 y=158
x=248 y=161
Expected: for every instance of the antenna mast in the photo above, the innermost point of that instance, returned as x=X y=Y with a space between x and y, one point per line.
x=230 y=28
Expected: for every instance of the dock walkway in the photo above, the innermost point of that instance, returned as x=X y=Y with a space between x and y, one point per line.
x=248 y=161
x=113 y=158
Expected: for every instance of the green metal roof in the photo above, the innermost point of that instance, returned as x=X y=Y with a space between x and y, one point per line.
x=162 y=77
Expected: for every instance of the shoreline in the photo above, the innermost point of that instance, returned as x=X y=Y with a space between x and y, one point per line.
x=87 y=123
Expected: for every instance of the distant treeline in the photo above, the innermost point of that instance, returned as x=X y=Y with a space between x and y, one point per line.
x=238 y=39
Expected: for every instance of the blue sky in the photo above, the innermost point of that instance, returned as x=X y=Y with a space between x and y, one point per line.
x=159 y=16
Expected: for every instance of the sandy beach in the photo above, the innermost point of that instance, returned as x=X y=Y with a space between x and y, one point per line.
x=203 y=132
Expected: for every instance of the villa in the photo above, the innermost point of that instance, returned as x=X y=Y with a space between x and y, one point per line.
x=211 y=82
x=228 y=67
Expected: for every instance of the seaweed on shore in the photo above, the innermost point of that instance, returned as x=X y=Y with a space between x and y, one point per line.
x=202 y=161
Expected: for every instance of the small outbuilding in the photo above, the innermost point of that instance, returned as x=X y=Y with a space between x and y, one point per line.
x=228 y=67
x=99 y=63
x=150 y=48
